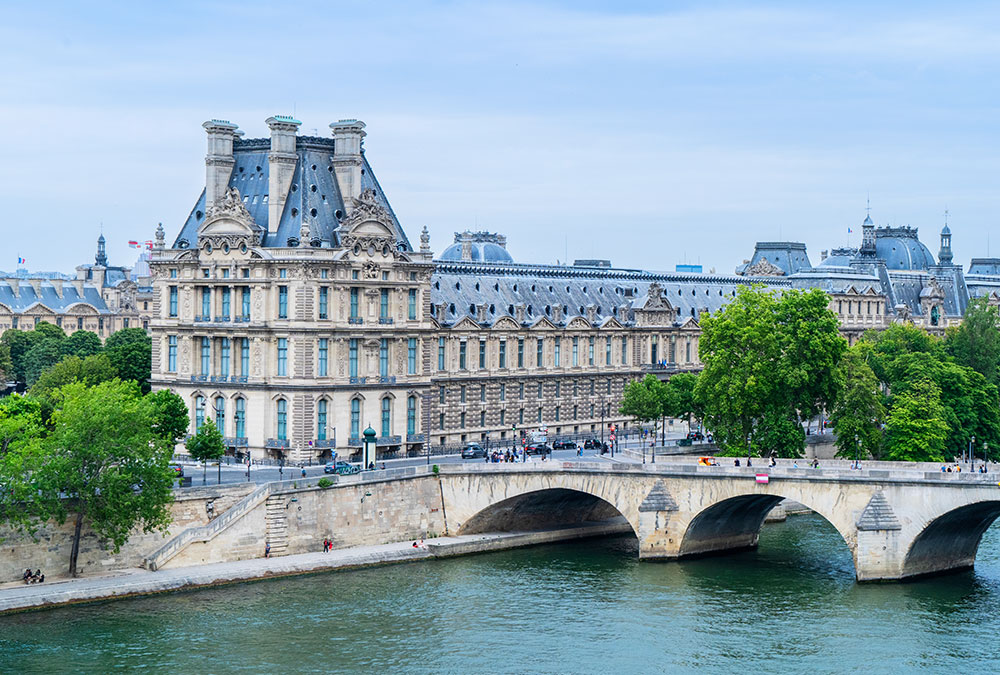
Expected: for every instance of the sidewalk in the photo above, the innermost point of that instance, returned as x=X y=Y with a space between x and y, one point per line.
x=136 y=582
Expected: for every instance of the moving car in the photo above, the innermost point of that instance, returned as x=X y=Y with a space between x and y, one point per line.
x=696 y=436
x=594 y=444
x=564 y=445
x=341 y=468
x=537 y=449
x=473 y=451
x=178 y=470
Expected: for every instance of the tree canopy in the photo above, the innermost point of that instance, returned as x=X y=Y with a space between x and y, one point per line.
x=976 y=342
x=646 y=399
x=206 y=444
x=130 y=352
x=859 y=412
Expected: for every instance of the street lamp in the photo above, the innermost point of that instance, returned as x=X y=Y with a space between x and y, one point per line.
x=368 y=448
x=972 y=459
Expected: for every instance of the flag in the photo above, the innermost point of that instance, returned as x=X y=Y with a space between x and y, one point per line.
x=849 y=230
x=20 y=260
x=133 y=244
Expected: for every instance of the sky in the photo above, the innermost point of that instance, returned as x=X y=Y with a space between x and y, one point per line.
x=648 y=133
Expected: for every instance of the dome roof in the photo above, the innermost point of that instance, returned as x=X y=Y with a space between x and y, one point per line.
x=479 y=251
x=901 y=249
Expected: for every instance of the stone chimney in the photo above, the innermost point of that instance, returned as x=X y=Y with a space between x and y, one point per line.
x=78 y=285
x=348 y=136
x=281 y=165
x=57 y=284
x=15 y=286
x=218 y=159
x=36 y=284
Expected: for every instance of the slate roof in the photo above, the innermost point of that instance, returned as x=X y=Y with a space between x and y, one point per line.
x=788 y=256
x=26 y=297
x=901 y=249
x=313 y=195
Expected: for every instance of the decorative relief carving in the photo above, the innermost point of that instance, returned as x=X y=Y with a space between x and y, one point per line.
x=763 y=268
x=370 y=270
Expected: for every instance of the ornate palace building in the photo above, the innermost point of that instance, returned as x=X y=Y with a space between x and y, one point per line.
x=293 y=310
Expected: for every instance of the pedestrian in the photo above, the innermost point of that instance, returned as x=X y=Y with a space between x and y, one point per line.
x=748 y=461
x=267 y=549
x=736 y=462
x=302 y=466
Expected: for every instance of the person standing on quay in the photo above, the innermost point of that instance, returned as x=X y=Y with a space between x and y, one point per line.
x=267 y=549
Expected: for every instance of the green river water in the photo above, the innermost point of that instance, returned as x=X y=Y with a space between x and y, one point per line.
x=792 y=606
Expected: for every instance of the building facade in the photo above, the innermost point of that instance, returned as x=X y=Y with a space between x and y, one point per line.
x=293 y=310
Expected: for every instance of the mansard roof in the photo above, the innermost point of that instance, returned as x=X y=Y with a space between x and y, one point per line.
x=27 y=298
x=314 y=195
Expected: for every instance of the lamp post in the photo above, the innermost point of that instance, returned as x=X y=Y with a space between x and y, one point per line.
x=972 y=459
x=368 y=448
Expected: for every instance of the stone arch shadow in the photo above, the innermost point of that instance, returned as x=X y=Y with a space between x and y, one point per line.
x=733 y=524
x=949 y=543
x=543 y=509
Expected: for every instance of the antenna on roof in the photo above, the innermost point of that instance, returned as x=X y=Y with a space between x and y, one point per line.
x=946 y=215
x=868 y=204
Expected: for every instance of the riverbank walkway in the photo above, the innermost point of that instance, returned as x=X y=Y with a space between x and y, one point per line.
x=136 y=582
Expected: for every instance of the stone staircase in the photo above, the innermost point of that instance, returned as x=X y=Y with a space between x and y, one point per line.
x=276 y=519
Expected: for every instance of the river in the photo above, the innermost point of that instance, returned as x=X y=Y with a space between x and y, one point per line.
x=585 y=607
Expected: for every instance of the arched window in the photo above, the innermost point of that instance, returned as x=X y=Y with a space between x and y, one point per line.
x=321 y=420
x=241 y=418
x=199 y=412
x=386 y=416
x=356 y=418
x=411 y=415
x=282 y=419
x=935 y=315
x=220 y=414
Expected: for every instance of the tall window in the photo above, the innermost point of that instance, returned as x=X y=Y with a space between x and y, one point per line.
x=321 y=420
x=441 y=394
x=383 y=304
x=282 y=419
x=224 y=357
x=173 y=301
x=440 y=353
x=411 y=356
x=482 y=419
x=607 y=352
x=324 y=351
x=386 y=416
x=503 y=354
x=245 y=303
x=654 y=350
x=503 y=417
x=461 y=421
x=624 y=350
x=482 y=354
x=520 y=416
x=206 y=356
x=520 y=391
x=557 y=413
x=199 y=412
x=461 y=355
x=241 y=418
x=354 y=302
x=539 y=390
x=520 y=352
x=356 y=418
x=461 y=394
x=172 y=354
x=503 y=391
x=688 y=345
x=245 y=357
x=282 y=302
x=482 y=393
x=324 y=302
x=282 y=356
x=556 y=353
x=226 y=301
x=576 y=351
x=383 y=357
x=411 y=415
x=539 y=416
x=412 y=312
x=206 y=303
x=558 y=388
x=352 y=358
x=590 y=352
x=538 y=353
x=220 y=414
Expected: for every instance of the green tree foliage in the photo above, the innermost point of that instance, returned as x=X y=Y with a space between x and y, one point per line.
x=170 y=415
x=82 y=343
x=104 y=455
x=916 y=430
x=769 y=362
x=206 y=445
x=683 y=402
x=6 y=365
x=645 y=399
x=17 y=343
x=90 y=370
x=21 y=434
x=130 y=351
x=976 y=343
x=859 y=412
x=31 y=352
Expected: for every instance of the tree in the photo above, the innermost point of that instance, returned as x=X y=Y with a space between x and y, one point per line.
x=21 y=433
x=130 y=351
x=31 y=352
x=17 y=343
x=90 y=370
x=976 y=342
x=769 y=361
x=646 y=400
x=915 y=430
x=6 y=365
x=206 y=445
x=170 y=415
x=859 y=411
x=104 y=456
x=683 y=402
x=82 y=343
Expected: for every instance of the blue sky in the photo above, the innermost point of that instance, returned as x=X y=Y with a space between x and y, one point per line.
x=648 y=133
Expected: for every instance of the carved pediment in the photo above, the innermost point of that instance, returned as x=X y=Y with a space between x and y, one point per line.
x=543 y=324
x=228 y=224
x=505 y=323
x=368 y=228
x=465 y=323
x=579 y=323
x=763 y=268
x=611 y=322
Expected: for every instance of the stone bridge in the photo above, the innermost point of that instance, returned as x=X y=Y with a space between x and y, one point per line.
x=897 y=523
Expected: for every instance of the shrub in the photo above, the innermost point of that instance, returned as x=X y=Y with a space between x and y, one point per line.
x=435 y=469
x=324 y=482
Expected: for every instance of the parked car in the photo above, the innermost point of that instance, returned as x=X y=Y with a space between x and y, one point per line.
x=564 y=445
x=473 y=451
x=594 y=444
x=341 y=468
x=537 y=449
x=178 y=470
x=696 y=436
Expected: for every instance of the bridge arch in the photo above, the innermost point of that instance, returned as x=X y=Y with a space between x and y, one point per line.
x=733 y=524
x=541 y=509
x=950 y=541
